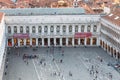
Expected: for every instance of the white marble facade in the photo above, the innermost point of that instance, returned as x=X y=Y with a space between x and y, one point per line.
x=57 y=30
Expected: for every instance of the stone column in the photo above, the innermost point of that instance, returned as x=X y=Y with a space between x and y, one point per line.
x=48 y=41
x=12 y=30
x=66 y=41
x=73 y=44
x=116 y=54
x=36 y=27
x=19 y=42
x=36 y=41
x=60 y=41
x=85 y=29
x=18 y=29
x=42 y=41
x=79 y=28
x=24 y=29
x=42 y=30
x=85 y=40
x=55 y=30
x=91 y=40
x=49 y=30
x=61 y=26
x=73 y=29
x=54 y=41
x=78 y=41
x=12 y=42
x=24 y=42
x=30 y=41
x=67 y=29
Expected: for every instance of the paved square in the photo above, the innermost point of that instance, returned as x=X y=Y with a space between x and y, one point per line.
x=60 y=64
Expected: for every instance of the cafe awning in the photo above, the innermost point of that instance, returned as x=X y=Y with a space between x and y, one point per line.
x=21 y=35
x=83 y=34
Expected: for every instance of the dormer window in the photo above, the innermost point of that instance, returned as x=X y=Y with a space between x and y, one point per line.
x=116 y=17
x=110 y=15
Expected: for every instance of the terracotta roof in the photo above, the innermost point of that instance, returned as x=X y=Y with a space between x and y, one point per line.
x=7 y=3
x=114 y=17
x=1 y=16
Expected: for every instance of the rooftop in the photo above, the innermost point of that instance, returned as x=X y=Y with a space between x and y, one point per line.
x=43 y=11
x=114 y=16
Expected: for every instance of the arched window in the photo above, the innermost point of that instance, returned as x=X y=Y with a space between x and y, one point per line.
x=76 y=28
x=95 y=28
x=39 y=29
x=21 y=29
x=70 y=28
x=15 y=29
x=27 y=29
x=46 y=29
x=33 y=29
x=82 y=28
x=9 y=29
x=51 y=29
x=64 y=28
x=88 y=28
x=58 y=29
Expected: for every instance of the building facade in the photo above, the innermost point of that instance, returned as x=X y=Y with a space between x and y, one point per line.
x=60 y=27
x=47 y=30
x=57 y=30
x=110 y=33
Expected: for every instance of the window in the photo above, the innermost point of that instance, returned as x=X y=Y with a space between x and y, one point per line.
x=33 y=29
x=9 y=29
x=21 y=29
x=51 y=29
x=95 y=28
x=64 y=28
x=15 y=29
x=58 y=29
x=27 y=29
x=46 y=29
x=82 y=28
x=88 y=28
x=39 y=29
x=76 y=28
x=70 y=28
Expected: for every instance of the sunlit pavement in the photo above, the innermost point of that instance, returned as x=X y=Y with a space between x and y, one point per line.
x=77 y=64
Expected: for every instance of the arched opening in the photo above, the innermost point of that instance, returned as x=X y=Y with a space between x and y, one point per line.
x=21 y=42
x=82 y=41
x=46 y=41
x=76 y=41
x=70 y=41
x=100 y=42
x=108 y=48
x=27 y=41
x=10 y=42
x=33 y=41
x=57 y=41
x=16 y=41
x=51 y=41
x=63 y=41
x=39 y=41
x=94 y=42
x=111 y=51
x=88 y=41
x=115 y=54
